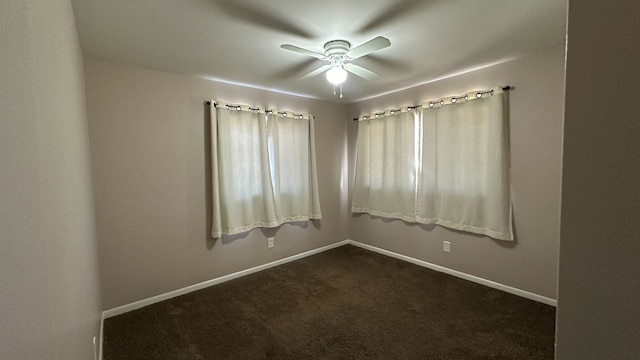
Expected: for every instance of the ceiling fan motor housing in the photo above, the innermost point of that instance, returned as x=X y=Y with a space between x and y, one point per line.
x=336 y=48
x=340 y=54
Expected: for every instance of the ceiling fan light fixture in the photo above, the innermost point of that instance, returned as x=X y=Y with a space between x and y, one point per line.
x=340 y=54
x=336 y=75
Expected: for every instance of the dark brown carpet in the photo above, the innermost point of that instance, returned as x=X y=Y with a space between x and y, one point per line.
x=346 y=303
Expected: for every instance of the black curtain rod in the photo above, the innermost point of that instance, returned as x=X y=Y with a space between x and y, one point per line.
x=267 y=111
x=504 y=88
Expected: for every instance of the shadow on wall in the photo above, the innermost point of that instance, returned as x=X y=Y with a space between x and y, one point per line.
x=266 y=232
x=431 y=227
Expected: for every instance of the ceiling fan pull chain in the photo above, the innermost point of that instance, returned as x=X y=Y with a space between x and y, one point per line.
x=334 y=89
x=341 y=90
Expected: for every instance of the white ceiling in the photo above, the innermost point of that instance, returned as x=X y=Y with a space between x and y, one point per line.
x=238 y=41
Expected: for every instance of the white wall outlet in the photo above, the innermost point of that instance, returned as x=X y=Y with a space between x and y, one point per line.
x=446 y=246
x=270 y=243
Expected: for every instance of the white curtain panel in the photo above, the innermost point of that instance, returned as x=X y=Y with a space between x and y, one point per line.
x=242 y=192
x=263 y=170
x=293 y=159
x=386 y=173
x=446 y=165
x=464 y=182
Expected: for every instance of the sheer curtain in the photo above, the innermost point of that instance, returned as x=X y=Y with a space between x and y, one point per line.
x=464 y=182
x=445 y=165
x=386 y=173
x=294 y=172
x=263 y=170
x=243 y=196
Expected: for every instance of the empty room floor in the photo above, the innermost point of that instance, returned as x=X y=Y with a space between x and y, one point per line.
x=345 y=303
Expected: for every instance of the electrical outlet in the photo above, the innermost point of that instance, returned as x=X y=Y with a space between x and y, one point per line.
x=270 y=243
x=446 y=246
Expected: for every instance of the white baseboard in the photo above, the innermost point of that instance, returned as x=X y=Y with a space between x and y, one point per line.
x=152 y=300
x=205 y=284
x=459 y=274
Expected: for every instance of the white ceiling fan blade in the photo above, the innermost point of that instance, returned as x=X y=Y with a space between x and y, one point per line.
x=360 y=71
x=317 y=71
x=370 y=46
x=302 y=51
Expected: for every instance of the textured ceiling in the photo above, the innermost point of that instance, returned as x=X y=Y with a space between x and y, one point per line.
x=239 y=41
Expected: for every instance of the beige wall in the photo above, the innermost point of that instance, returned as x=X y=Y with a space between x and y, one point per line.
x=599 y=275
x=529 y=263
x=147 y=131
x=49 y=293
x=148 y=145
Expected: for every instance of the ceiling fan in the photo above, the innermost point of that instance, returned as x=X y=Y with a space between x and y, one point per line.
x=340 y=55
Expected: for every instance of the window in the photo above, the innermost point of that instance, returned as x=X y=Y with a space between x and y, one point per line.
x=455 y=173
x=294 y=167
x=386 y=167
x=263 y=170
